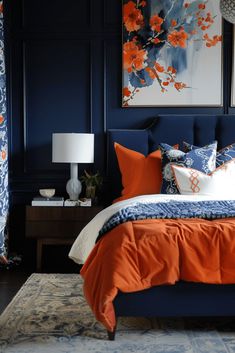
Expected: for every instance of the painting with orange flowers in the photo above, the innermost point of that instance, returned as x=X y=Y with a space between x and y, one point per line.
x=172 y=53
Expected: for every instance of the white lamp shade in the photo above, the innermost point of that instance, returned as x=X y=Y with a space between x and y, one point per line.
x=72 y=148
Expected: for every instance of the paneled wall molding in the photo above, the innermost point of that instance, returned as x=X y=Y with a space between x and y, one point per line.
x=104 y=86
x=34 y=106
x=64 y=74
x=73 y=34
x=112 y=14
x=72 y=14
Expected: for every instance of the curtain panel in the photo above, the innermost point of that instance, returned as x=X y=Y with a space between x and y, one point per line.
x=3 y=145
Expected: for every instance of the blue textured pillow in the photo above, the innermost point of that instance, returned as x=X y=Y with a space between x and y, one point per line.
x=222 y=156
x=202 y=159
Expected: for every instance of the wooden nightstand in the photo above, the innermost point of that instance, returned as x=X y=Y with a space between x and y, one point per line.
x=56 y=225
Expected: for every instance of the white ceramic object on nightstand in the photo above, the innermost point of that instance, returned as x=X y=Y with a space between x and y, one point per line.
x=47 y=193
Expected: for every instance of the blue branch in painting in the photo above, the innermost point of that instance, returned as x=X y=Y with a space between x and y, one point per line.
x=158 y=36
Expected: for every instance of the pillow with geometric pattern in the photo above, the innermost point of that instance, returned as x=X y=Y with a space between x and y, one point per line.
x=221 y=182
x=202 y=159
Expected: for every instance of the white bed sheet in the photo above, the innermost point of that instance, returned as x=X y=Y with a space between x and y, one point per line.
x=86 y=239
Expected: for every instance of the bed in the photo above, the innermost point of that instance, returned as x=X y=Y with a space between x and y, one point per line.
x=184 y=298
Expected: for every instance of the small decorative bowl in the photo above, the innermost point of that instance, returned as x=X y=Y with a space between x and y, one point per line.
x=47 y=193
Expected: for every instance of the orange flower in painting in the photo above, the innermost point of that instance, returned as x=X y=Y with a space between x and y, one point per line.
x=180 y=85
x=159 y=67
x=178 y=38
x=171 y=69
x=202 y=6
x=173 y=23
x=151 y=72
x=155 y=23
x=1 y=119
x=211 y=42
x=132 y=17
x=133 y=57
x=209 y=18
x=1 y=7
x=126 y=92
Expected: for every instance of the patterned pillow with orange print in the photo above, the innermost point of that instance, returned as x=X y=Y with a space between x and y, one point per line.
x=140 y=175
x=219 y=183
x=202 y=159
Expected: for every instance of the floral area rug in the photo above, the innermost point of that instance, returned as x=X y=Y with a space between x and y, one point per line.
x=50 y=315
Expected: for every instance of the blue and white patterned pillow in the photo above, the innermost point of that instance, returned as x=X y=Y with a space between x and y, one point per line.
x=224 y=155
x=202 y=159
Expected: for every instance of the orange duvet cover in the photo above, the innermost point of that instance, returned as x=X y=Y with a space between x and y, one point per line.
x=139 y=254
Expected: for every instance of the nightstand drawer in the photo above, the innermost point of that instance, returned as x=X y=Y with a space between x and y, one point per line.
x=39 y=213
x=53 y=229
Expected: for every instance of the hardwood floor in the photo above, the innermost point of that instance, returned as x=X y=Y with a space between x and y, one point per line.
x=10 y=283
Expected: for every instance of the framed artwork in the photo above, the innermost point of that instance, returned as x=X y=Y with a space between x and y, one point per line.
x=172 y=53
x=233 y=72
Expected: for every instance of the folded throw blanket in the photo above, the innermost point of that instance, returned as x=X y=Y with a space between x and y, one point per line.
x=171 y=210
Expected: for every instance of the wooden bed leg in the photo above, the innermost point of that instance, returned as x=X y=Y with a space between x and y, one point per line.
x=111 y=334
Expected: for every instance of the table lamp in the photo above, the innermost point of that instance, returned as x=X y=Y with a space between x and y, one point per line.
x=73 y=148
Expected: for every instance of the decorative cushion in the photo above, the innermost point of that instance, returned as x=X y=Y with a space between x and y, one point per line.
x=221 y=182
x=202 y=159
x=140 y=175
x=227 y=10
x=224 y=155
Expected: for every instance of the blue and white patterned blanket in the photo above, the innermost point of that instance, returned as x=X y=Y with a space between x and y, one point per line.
x=171 y=210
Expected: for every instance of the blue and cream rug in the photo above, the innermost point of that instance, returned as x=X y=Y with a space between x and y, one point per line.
x=49 y=315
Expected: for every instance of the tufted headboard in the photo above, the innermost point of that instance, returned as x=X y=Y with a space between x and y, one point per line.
x=196 y=129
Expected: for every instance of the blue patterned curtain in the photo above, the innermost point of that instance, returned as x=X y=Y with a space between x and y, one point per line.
x=3 y=146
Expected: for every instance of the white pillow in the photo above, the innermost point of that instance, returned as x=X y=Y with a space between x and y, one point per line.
x=221 y=182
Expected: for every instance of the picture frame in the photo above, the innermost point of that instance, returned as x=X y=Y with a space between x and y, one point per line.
x=172 y=53
x=233 y=72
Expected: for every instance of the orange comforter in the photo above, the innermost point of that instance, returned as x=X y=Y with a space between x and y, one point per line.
x=140 y=254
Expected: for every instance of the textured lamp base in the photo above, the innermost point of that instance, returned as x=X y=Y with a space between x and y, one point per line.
x=74 y=186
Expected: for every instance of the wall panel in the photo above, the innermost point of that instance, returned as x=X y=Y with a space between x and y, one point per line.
x=64 y=74
x=57 y=97
x=112 y=13
x=55 y=15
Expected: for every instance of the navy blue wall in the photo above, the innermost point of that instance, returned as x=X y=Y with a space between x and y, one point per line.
x=64 y=75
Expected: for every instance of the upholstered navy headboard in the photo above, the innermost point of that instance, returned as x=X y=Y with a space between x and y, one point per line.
x=198 y=130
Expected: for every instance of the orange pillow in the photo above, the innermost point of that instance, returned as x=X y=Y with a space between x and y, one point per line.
x=140 y=175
